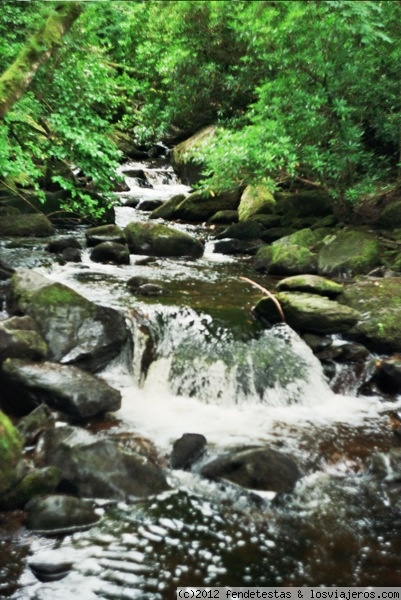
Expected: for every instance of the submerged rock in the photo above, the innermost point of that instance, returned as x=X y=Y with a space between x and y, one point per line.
x=159 y=240
x=60 y=514
x=187 y=450
x=98 y=468
x=76 y=330
x=309 y=312
x=255 y=468
x=66 y=388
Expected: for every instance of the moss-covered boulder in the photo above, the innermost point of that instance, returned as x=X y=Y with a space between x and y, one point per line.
x=104 y=233
x=76 y=330
x=20 y=338
x=349 y=252
x=155 y=239
x=304 y=237
x=25 y=225
x=201 y=205
x=167 y=209
x=188 y=169
x=308 y=312
x=379 y=301
x=390 y=216
x=285 y=260
x=37 y=482
x=310 y=284
x=10 y=452
x=300 y=204
x=255 y=200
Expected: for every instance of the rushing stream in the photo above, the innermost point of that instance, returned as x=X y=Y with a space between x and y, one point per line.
x=200 y=363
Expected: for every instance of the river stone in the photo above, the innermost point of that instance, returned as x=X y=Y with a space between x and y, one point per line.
x=312 y=284
x=159 y=240
x=349 y=252
x=201 y=205
x=255 y=200
x=275 y=233
x=307 y=238
x=60 y=514
x=37 y=482
x=378 y=300
x=223 y=217
x=245 y=230
x=10 y=452
x=61 y=244
x=104 y=233
x=309 y=312
x=166 y=210
x=110 y=252
x=76 y=330
x=70 y=255
x=25 y=225
x=63 y=387
x=388 y=374
x=187 y=450
x=188 y=169
x=285 y=260
x=34 y=423
x=98 y=468
x=236 y=246
x=255 y=468
x=20 y=338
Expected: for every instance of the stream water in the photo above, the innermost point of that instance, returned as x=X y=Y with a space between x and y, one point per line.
x=201 y=364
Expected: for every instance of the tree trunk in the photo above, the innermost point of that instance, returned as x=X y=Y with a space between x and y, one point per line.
x=38 y=49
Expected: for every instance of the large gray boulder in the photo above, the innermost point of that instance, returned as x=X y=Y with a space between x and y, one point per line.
x=66 y=388
x=98 y=468
x=76 y=330
x=349 y=252
x=308 y=312
x=155 y=239
x=255 y=468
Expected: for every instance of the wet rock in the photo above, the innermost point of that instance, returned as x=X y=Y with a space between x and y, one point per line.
x=98 y=468
x=223 y=217
x=255 y=468
x=149 y=205
x=37 y=482
x=34 y=423
x=10 y=452
x=309 y=312
x=349 y=252
x=317 y=343
x=285 y=260
x=6 y=271
x=187 y=450
x=166 y=210
x=312 y=284
x=60 y=514
x=151 y=289
x=110 y=252
x=245 y=230
x=388 y=374
x=70 y=255
x=20 y=338
x=255 y=200
x=378 y=300
x=275 y=233
x=76 y=330
x=236 y=247
x=387 y=465
x=104 y=233
x=354 y=353
x=26 y=225
x=200 y=205
x=59 y=245
x=50 y=566
x=159 y=240
x=66 y=388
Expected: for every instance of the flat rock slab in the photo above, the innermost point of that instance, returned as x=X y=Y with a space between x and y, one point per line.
x=66 y=388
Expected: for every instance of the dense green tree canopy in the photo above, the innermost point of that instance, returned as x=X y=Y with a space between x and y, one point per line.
x=301 y=91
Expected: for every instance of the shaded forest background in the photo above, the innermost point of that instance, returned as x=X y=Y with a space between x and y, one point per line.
x=302 y=93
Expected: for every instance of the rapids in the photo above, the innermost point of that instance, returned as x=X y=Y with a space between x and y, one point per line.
x=200 y=363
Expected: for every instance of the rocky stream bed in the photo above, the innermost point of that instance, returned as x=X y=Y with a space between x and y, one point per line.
x=165 y=425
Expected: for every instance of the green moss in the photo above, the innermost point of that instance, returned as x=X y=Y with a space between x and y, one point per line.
x=285 y=259
x=256 y=200
x=10 y=451
x=58 y=294
x=304 y=237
